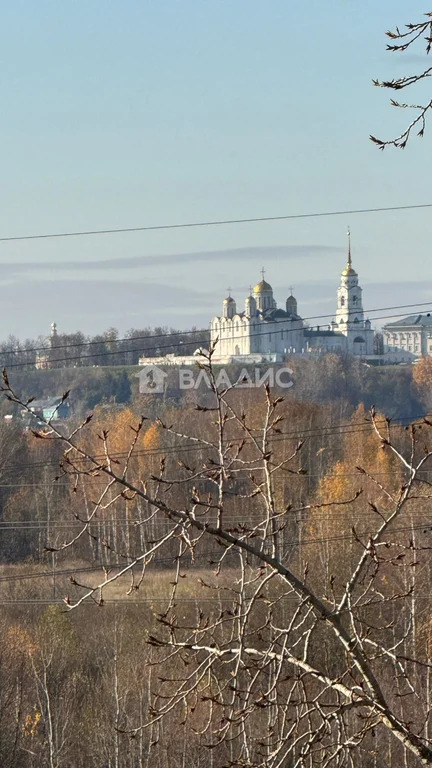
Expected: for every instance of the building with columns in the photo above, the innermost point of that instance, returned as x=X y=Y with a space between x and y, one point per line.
x=408 y=338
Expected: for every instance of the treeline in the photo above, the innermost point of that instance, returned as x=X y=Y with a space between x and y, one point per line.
x=102 y=369
x=399 y=391
x=40 y=504
x=71 y=350
x=75 y=686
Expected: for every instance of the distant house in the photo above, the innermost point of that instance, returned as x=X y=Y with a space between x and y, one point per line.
x=50 y=409
x=409 y=337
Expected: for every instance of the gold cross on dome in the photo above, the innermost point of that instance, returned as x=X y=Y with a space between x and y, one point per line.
x=263 y=273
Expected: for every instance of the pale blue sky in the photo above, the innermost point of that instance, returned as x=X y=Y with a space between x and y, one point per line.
x=117 y=114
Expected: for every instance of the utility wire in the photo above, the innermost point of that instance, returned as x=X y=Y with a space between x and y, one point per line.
x=426 y=527
x=336 y=430
x=217 y=223
x=333 y=430
x=43 y=484
x=254 y=519
x=172 y=346
x=128 y=601
x=299 y=542
x=151 y=337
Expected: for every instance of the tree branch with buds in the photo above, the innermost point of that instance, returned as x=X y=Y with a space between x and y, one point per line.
x=286 y=668
x=401 y=42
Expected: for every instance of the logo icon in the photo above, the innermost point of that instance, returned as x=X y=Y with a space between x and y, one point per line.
x=152 y=380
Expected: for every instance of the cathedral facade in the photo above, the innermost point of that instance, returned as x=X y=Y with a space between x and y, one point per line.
x=262 y=331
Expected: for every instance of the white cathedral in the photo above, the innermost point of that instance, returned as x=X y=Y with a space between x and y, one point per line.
x=265 y=332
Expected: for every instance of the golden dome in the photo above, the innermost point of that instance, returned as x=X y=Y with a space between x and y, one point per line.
x=349 y=271
x=262 y=286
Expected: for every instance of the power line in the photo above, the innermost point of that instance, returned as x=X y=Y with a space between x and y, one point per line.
x=330 y=431
x=54 y=484
x=254 y=519
x=151 y=337
x=217 y=222
x=425 y=527
x=174 y=345
x=120 y=601
x=128 y=601
x=85 y=569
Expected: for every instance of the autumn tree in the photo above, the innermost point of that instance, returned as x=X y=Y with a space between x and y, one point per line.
x=422 y=377
x=270 y=666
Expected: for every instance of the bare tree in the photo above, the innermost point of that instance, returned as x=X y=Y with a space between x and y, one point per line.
x=277 y=666
x=402 y=40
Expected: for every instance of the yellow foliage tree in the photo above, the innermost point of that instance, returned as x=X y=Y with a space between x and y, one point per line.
x=333 y=525
x=422 y=376
x=152 y=438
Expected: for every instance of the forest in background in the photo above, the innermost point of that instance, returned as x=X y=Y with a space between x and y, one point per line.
x=73 y=350
x=75 y=684
x=326 y=378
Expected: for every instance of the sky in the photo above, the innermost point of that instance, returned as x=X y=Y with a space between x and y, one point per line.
x=156 y=112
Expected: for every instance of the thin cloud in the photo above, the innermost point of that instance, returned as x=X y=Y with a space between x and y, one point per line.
x=92 y=306
x=249 y=254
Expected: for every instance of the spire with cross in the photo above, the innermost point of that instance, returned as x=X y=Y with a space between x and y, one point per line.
x=229 y=305
x=250 y=303
x=349 y=248
x=263 y=273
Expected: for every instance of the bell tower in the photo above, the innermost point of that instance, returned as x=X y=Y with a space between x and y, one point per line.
x=349 y=313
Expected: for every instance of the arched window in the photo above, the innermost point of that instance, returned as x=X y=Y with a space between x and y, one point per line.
x=354 y=298
x=342 y=301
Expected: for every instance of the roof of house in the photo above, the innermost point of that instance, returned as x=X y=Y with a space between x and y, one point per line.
x=51 y=402
x=411 y=320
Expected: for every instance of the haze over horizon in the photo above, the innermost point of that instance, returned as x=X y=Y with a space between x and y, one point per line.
x=151 y=114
